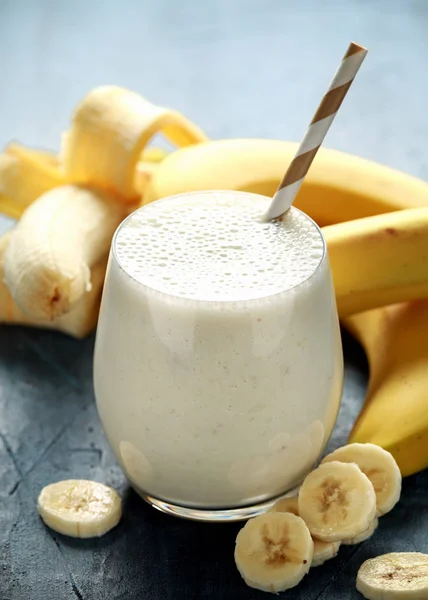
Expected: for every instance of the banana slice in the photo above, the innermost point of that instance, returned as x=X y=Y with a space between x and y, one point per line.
x=396 y=575
x=379 y=466
x=286 y=505
x=362 y=537
x=323 y=551
x=337 y=501
x=80 y=508
x=274 y=551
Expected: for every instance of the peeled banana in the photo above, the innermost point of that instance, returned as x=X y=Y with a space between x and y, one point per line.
x=50 y=252
x=109 y=131
x=394 y=414
x=338 y=187
x=80 y=508
x=79 y=322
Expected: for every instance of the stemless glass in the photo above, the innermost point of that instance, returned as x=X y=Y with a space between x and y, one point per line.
x=216 y=408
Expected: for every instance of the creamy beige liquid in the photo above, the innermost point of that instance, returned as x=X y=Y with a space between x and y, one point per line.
x=218 y=365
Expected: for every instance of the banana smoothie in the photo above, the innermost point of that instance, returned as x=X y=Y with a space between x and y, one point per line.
x=218 y=363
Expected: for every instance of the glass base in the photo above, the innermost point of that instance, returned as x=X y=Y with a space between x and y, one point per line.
x=215 y=515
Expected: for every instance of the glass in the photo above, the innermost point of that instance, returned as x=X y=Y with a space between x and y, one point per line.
x=214 y=409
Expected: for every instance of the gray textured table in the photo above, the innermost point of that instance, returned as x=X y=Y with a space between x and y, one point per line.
x=238 y=68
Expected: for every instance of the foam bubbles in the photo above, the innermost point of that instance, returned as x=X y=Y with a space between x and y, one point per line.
x=213 y=246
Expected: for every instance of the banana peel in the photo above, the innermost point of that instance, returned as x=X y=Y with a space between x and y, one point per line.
x=25 y=174
x=109 y=131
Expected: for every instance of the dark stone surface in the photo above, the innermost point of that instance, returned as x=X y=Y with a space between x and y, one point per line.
x=238 y=68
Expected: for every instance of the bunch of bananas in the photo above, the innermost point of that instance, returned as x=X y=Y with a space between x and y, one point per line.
x=375 y=221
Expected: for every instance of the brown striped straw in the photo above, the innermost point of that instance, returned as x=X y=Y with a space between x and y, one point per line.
x=316 y=132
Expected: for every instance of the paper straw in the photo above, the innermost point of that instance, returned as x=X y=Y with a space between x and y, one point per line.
x=316 y=132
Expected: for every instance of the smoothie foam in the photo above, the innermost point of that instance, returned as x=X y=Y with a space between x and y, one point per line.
x=215 y=247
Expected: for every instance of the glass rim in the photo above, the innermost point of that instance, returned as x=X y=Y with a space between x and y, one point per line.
x=215 y=301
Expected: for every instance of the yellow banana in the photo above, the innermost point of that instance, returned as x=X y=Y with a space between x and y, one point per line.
x=338 y=187
x=109 y=131
x=379 y=260
x=395 y=411
x=50 y=252
x=374 y=261
x=25 y=174
x=79 y=322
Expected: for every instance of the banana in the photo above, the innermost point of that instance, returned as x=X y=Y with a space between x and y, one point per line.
x=324 y=551
x=379 y=466
x=338 y=187
x=273 y=552
x=286 y=505
x=25 y=174
x=51 y=250
x=362 y=537
x=80 y=508
x=379 y=260
x=337 y=501
x=78 y=323
x=394 y=414
x=398 y=575
x=109 y=131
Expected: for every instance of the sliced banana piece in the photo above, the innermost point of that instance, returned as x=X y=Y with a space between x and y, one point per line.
x=286 y=505
x=396 y=575
x=323 y=551
x=337 y=501
x=80 y=508
x=365 y=535
x=379 y=466
x=274 y=551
